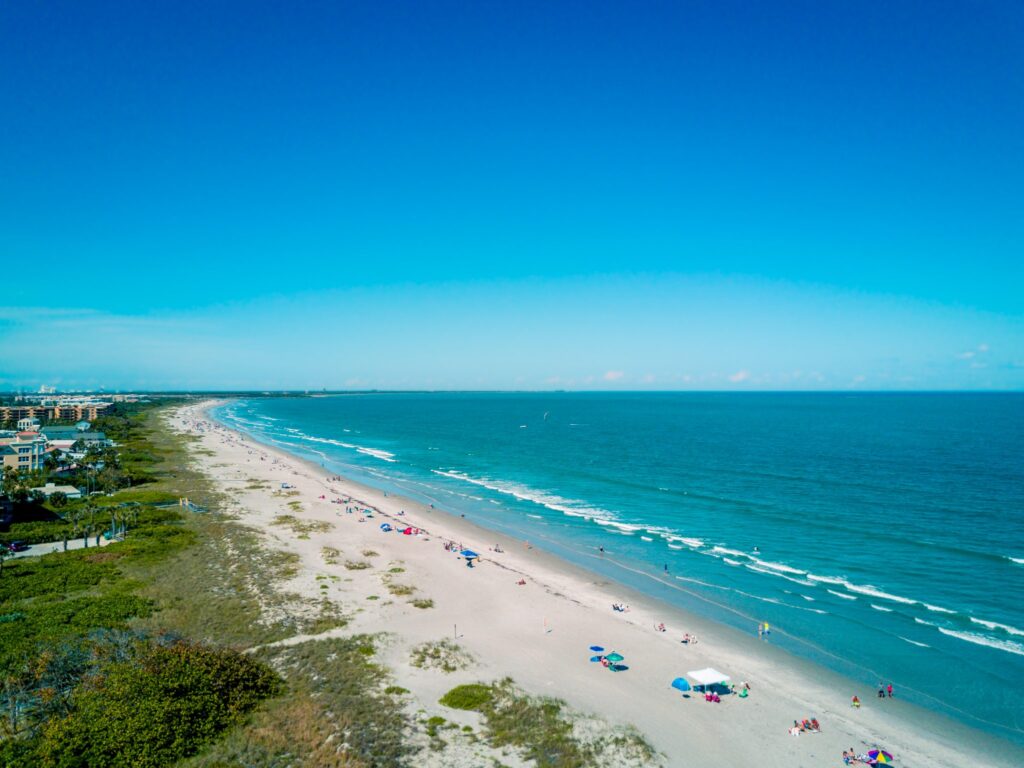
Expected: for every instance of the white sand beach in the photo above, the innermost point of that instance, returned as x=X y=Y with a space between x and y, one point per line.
x=538 y=633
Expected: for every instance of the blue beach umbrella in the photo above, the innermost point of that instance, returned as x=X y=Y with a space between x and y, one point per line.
x=681 y=684
x=468 y=554
x=596 y=658
x=596 y=648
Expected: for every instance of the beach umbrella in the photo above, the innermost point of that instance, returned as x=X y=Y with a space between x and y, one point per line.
x=596 y=648
x=596 y=658
x=613 y=657
x=468 y=553
x=681 y=684
x=880 y=756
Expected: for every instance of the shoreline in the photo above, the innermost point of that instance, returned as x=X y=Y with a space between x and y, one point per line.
x=568 y=608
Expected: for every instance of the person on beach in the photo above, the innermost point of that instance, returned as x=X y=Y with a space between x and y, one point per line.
x=889 y=689
x=855 y=702
x=760 y=631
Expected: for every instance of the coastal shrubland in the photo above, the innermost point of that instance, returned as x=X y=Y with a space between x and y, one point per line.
x=540 y=728
x=154 y=706
x=300 y=527
x=339 y=712
x=84 y=681
x=444 y=655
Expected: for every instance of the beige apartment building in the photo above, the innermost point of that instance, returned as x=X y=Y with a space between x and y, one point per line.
x=64 y=412
x=25 y=451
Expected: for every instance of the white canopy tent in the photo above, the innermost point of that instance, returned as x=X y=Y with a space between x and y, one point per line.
x=707 y=676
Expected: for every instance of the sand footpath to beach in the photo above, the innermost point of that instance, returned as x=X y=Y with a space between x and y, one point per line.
x=539 y=633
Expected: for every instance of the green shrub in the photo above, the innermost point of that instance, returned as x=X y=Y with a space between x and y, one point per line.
x=473 y=696
x=157 y=710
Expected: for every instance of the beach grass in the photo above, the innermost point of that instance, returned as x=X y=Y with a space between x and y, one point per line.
x=340 y=712
x=443 y=655
x=300 y=527
x=541 y=729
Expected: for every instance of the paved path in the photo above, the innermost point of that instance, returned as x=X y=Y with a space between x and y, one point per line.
x=58 y=546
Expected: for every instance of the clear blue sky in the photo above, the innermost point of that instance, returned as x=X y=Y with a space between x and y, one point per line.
x=516 y=194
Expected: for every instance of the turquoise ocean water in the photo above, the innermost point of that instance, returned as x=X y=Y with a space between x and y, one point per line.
x=881 y=535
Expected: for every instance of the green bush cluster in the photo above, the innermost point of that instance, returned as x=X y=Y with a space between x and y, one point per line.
x=474 y=697
x=537 y=726
x=155 y=710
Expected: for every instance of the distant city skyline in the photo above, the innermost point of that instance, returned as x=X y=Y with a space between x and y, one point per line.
x=512 y=196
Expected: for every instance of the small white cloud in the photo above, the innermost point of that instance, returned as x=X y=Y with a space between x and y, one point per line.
x=859 y=379
x=648 y=379
x=613 y=375
x=739 y=376
x=982 y=349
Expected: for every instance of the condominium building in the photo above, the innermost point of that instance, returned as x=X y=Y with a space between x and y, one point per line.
x=25 y=451
x=52 y=412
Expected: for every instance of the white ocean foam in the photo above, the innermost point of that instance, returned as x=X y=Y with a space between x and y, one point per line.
x=778 y=566
x=647 y=538
x=1003 y=645
x=621 y=526
x=377 y=454
x=842 y=594
x=726 y=551
x=826 y=579
x=926 y=623
x=524 y=493
x=703 y=583
x=758 y=569
x=996 y=625
x=881 y=608
x=690 y=542
x=937 y=608
x=867 y=589
x=863 y=589
x=674 y=546
x=913 y=642
x=730 y=561
x=1017 y=560
x=807 y=597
